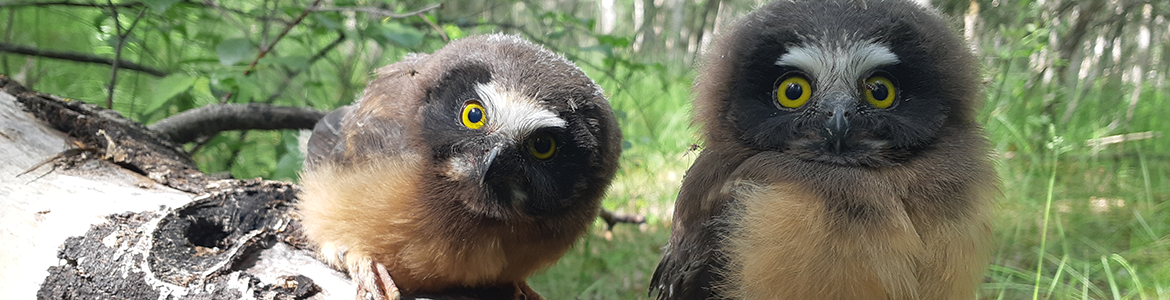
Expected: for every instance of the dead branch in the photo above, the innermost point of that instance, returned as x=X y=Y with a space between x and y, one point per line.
x=1099 y=144
x=120 y=5
x=380 y=12
x=66 y=4
x=613 y=218
x=208 y=120
x=80 y=57
x=168 y=164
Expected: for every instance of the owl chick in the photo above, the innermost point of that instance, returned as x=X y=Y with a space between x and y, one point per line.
x=842 y=160
x=468 y=169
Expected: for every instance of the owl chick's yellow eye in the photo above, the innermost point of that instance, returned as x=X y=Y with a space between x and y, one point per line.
x=474 y=115
x=879 y=91
x=542 y=146
x=793 y=92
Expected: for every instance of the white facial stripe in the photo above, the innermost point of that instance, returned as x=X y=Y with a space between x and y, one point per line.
x=512 y=113
x=833 y=65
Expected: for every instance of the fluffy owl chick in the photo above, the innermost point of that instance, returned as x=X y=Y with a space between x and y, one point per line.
x=466 y=169
x=842 y=160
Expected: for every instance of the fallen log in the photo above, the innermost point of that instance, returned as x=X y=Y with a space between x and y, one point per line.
x=95 y=206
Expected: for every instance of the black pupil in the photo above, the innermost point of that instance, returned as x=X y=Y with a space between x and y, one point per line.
x=879 y=91
x=474 y=115
x=542 y=145
x=793 y=91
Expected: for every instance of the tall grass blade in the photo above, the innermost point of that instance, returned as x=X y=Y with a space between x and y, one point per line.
x=1137 y=283
x=1047 y=212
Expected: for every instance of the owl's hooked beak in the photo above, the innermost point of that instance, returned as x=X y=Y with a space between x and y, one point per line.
x=485 y=162
x=839 y=107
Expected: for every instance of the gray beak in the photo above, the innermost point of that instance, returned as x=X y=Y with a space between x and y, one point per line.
x=485 y=162
x=839 y=107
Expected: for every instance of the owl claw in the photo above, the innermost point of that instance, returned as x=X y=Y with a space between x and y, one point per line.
x=387 y=283
x=374 y=283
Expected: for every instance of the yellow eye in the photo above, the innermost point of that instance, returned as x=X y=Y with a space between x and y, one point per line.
x=793 y=92
x=473 y=115
x=542 y=146
x=879 y=91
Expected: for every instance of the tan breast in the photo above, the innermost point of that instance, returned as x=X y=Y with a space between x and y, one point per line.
x=371 y=212
x=786 y=245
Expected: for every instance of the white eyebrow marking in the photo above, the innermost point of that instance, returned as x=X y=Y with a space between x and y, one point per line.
x=836 y=63
x=514 y=114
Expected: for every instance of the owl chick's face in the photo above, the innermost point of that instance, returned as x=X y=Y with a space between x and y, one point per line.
x=503 y=144
x=857 y=88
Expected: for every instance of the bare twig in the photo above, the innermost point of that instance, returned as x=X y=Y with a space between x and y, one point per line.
x=117 y=54
x=66 y=4
x=477 y=24
x=380 y=12
x=435 y=26
x=60 y=155
x=209 y=120
x=264 y=49
x=612 y=218
x=8 y=37
x=223 y=12
x=1099 y=144
x=105 y=6
x=79 y=57
x=293 y=74
x=121 y=36
x=212 y=4
x=266 y=26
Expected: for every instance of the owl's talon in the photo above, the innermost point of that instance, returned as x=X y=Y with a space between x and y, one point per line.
x=386 y=282
x=374 y=282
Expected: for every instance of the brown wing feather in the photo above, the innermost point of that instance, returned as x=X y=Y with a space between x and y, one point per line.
x=325 y=135
x=692 y=261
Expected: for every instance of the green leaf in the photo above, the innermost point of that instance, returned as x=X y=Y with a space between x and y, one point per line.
x=160 y=5
x=248 y=89
x=232 y=51
x=615 y=41
x=168 y=88
x=294 y=62
x=98 y=22
x=202 y=92
x=453 y=32
x=402 y=35
x=290 y=158
x=607 y=50
x=328 y=22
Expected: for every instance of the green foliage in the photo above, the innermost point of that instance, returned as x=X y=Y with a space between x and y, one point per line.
x=234 y=50
x=1076 y=221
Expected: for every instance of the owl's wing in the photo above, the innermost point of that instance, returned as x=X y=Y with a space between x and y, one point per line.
x=324 y=140
x=692 y=260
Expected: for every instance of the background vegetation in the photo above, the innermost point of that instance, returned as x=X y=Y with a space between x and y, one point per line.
x=1076 y=107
